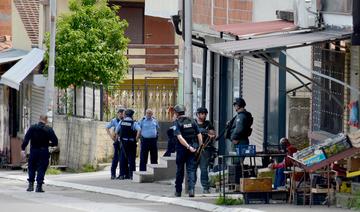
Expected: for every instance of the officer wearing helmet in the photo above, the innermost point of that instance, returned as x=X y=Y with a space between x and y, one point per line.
x=241 y=126
x=207 y=131
x=117 y=152
x=188 y=134
x=128 y=132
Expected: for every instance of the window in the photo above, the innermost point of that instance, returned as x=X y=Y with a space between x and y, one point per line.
x=336 y=6
x=133 y=13
x=327 y=113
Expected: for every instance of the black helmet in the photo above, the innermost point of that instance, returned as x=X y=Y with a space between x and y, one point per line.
x=240 y=102
x=202 y=110
x=179 y=108
x=129 y=112
x=120 y=110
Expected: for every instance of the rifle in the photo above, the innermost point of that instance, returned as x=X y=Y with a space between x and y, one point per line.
x=207 y=142
x=201 y=149
x=225 y=130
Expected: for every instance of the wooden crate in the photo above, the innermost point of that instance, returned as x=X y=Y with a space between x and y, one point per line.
x=256 y=184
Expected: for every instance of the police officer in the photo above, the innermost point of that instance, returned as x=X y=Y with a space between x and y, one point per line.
x=116 y=158
x=207 y=131
x=128 y=132
x=188 y=134
x=40 y=137
x=171 y=139
x=149 y=135
x=241 y=127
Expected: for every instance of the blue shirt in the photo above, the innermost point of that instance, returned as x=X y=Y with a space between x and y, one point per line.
x=135 y=126
x=113 y=123
x=149 y=127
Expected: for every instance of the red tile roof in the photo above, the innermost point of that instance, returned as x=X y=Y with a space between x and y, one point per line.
x=5 y=42
x=29 y=14
x=257 y=28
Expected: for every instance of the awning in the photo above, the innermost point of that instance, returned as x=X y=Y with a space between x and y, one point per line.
x=258 y=28
x=12 y=55
x=16 y=74
x=277 y=42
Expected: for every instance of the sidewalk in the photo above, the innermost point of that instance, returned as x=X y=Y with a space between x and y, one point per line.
x=156 y=192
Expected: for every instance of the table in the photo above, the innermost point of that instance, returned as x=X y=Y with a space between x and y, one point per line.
x=222 y=162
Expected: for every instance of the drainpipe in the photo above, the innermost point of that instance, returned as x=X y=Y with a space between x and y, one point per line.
x=356 y=23
x=203 y=83
x=188 y=68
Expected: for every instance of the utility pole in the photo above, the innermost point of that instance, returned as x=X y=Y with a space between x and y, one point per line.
x=49 y=90
x=188 y=69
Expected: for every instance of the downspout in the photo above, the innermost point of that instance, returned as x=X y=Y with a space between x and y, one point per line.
x=355 y=40
x=212 y=83
x=203 y=83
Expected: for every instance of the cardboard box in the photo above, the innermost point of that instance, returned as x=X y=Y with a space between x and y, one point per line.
x=256 y=184
x=353 y=164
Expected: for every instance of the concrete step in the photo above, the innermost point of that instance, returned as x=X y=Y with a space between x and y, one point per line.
x=162 y=172
x=143 y=177
x=169 y=161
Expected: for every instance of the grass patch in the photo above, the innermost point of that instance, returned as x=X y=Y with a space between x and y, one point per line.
x=88 y=168
x=52 y=171
x=228 y=201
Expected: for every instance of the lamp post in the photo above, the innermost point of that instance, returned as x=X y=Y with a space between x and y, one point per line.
x=49 y=91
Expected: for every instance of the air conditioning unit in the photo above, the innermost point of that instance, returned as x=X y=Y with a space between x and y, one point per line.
x=305 y=13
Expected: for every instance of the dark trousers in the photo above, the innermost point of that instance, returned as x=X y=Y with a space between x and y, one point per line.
x=204 y=168
x=127 y=158
x=38 y=162
x=185 y=157
x=116 y=160
x=170 y=146
x=148 y=145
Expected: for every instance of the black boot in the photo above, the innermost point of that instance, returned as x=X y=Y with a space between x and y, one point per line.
x=30 y=187
x=39 y=188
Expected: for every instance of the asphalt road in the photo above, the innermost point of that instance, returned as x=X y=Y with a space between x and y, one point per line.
x=13 y=197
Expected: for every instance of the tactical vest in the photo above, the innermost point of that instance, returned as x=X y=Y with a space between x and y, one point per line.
x=186 y=128
x=127 y=132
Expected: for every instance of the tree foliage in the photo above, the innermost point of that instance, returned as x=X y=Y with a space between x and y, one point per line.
x=90 y=44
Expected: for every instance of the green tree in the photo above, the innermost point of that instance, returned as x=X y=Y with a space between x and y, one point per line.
x=90 y=44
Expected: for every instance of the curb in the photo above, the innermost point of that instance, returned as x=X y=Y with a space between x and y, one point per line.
x=140 y=196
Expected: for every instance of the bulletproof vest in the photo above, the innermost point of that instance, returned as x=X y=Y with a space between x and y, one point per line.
x=186 y=128
x=127 y=132
x=248 y=122
x=204 y=128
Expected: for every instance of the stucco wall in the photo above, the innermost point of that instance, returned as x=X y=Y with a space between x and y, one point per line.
x=82 y=141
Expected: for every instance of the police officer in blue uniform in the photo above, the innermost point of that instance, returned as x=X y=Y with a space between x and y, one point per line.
x=128 y=132
x=117 y=151
x=149 y=135
x=40 y=137
x=189 y=138
x=207 y=131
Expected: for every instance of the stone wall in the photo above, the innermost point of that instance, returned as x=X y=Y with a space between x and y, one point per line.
x=299 y=113
x=82 y=141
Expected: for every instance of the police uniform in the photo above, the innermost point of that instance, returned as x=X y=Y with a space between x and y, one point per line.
x=149 y=136
x=241 y=127
x=127 y=130
x=189 y=130
x=206 y=154
x=171 y=142
x=117 y=151
x=39 y=135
